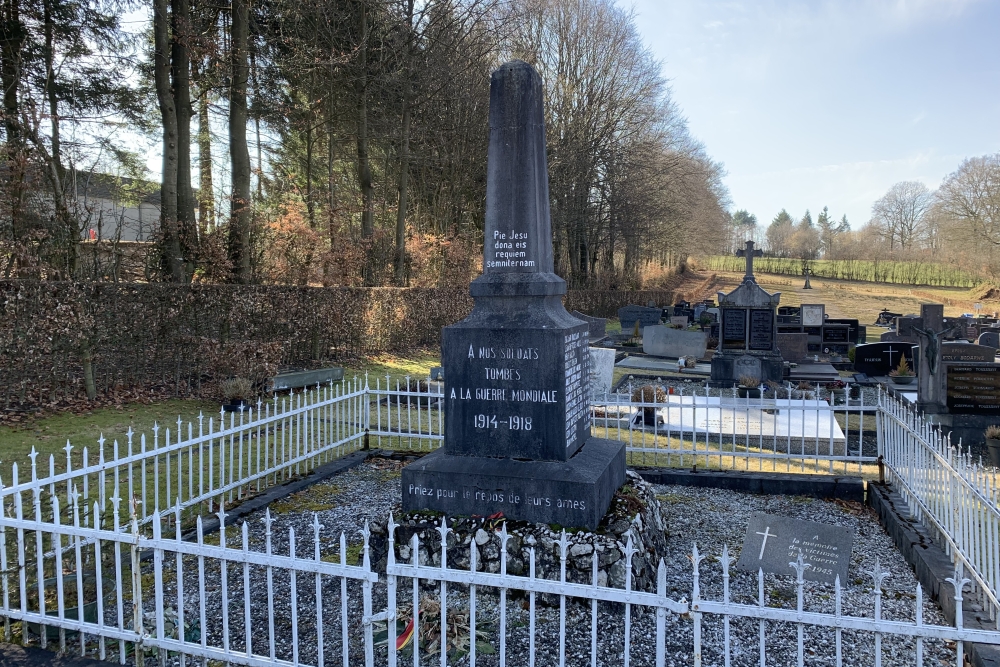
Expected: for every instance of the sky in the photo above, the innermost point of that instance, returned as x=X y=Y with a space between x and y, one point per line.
x=829 y=103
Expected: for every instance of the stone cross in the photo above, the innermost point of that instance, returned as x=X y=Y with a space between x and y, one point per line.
x=749 y=253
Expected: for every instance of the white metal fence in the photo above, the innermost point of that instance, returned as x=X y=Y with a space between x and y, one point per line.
x=948 y=490
x=110 y=555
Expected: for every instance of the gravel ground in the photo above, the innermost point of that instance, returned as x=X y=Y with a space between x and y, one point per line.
x=709 y=517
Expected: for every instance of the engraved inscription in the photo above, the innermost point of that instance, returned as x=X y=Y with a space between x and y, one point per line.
x=577 y=369
x=508 y=250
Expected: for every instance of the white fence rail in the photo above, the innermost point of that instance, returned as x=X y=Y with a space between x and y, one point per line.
x=258 y=598
x=96 y=555
x=948 y=491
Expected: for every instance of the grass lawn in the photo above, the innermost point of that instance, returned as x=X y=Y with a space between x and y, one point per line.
x=48 y=435
x=415 y=364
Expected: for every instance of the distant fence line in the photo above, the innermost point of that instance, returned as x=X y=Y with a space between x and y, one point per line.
x=56 y=338
x=868 y=270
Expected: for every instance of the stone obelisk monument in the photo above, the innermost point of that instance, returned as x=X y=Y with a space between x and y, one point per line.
x=517 y=419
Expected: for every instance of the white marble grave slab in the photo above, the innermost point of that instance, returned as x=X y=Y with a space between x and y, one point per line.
x=779 y=418
x=602 y=370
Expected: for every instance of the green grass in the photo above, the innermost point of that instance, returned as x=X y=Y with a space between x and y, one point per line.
x=49 y=434
x=416 y=364
x=899 y=272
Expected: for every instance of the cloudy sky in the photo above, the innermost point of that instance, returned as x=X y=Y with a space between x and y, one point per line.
x=830 y=102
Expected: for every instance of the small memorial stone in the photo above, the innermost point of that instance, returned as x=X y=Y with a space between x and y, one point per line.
x=773 y=542
x=990 y=339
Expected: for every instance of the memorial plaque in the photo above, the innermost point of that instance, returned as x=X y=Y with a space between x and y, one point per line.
x=973 y=389
x=990 y=339
x=967 y=353
x=772 y=543
x=835 y=334
x=734 y=327
x=761 y=329
x=812 y=314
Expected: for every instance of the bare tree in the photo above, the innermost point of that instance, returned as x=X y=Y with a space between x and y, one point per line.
x=899 y=214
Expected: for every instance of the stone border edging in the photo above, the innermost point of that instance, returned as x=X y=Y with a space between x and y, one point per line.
x=931 y=566
x=785 y=484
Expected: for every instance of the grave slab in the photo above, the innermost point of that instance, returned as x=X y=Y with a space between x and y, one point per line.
x=773 y=542
x=663 y=341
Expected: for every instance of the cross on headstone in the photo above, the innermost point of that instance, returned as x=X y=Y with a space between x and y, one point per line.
x=767 y=533
x=749 y=253
x=890 y=351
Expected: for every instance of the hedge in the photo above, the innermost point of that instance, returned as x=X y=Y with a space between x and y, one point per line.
x=62 y=339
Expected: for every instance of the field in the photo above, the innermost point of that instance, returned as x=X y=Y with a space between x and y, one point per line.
x=843 y=298
x=897 y=272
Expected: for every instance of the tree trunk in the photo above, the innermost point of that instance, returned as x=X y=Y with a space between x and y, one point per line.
x=168 y=113
x=12 y=33
x=180 y=14
x=404 y=155
x=364 y=169
x=239 y=225
x=206 y=190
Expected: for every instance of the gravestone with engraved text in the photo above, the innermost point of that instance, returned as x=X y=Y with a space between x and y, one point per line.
x=517 y=369
x=772 y=543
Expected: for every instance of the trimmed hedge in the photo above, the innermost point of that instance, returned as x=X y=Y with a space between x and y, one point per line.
x=56 y=338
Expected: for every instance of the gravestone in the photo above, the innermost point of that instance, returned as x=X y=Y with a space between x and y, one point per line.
x=812 y=314
x=967 y=353
x=602 y=370
x=679 y=321
x=990 y=339
x=793 y=346
x=906 y=327
x=517 y=369
x=598 y=325
x=931 y=380
x=714 y=313
x=772 y=543
x=629 y=315
x=877 y=359
x=662 y=341
x=748 y=331
x=974 y=389
x=853 y=328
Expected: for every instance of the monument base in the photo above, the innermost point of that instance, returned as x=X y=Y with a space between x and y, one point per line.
x=574 y=493
x=727 y=368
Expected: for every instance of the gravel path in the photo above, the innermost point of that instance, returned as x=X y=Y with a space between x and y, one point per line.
x=711 y=518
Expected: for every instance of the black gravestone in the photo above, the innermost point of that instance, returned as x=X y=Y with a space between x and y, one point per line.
x=629 y=315
x=517 y=419
x=761 y=329
x=772 y=543
x=973 y=389
x=734 y=327
x=990 y=339
x=853 y=328
x=877 y=359
x=598 y=325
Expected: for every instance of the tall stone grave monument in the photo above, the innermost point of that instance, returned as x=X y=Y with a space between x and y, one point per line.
x=748 y=342
x=517 y=420
x=931 y=378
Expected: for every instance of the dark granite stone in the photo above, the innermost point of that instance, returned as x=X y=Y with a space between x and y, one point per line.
x=990 y=339
x=773 y=542
x=598 y=325
x=967 y=352
x=629 y=315
x=576 y=492
x=793 y=346
x=973 y=388
x=517 y=380
x=876 y=359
